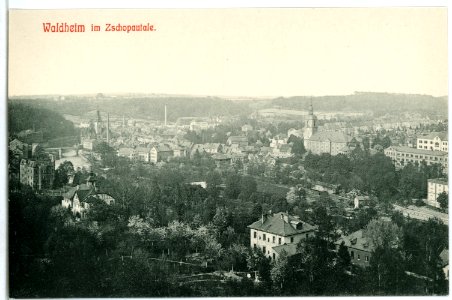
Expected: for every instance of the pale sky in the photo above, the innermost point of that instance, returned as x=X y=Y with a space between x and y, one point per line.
x=239 y=52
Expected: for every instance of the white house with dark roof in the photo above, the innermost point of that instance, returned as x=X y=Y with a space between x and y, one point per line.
x=78 y=198
x=435 y=141
x=161 y=152
x=275 y=232
x=359 y=246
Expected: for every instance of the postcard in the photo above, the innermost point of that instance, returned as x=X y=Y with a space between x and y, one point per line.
x=227 y=152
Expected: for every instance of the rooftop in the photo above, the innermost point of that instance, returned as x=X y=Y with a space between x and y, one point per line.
x=282 y=224
x=333 y=136
x=442 y=135
x=290 y=249
x=357 y=240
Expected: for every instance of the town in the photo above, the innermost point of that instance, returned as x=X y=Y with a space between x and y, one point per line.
x=128 y=196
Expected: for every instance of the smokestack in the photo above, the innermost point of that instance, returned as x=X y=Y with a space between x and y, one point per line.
x=165 y=115
x=108 y=129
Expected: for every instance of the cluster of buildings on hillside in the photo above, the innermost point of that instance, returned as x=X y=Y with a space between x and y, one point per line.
x=79 y=198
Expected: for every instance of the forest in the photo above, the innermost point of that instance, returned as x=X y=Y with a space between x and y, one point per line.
x=378 y=103
x=152 y=108
x=24 y=117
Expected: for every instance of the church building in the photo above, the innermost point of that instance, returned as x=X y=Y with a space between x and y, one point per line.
x=318 y=142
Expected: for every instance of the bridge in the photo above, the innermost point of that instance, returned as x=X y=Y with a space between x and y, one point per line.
x=63 y=151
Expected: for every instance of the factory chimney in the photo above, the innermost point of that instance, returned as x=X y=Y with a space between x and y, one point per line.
x=108 y=129
x=165 y=115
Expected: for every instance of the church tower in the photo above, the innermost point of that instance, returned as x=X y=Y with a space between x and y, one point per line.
x=310 y=124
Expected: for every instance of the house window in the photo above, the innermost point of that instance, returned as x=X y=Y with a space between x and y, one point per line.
x=274 y=239
x=291 y=239
x=264 y=249
x=352 y=255
x=359 y=257
x=307 y=235
x=279 y=241
x=367 y=258
x=274 y=256
x=264 y=237
x=254 y=246
x=255 y=234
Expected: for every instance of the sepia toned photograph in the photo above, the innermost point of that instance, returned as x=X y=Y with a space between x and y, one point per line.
x=227 y=152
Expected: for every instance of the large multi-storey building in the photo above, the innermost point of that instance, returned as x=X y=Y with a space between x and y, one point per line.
x=435 y=141
x=402 y=155
x=38 y=174
x=434 y=188
x=276 y=232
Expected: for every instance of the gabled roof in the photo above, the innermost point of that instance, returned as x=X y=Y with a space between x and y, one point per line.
x=142 y=150
x=357 y=240
x=125 y=151
x=81 y=191
x=162 y=148
x=282 y=224
x=442 y=135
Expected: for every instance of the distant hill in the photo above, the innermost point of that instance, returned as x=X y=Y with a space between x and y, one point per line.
x=52 y=124
x=153 y=107
x=378 y=103
x=148 y=108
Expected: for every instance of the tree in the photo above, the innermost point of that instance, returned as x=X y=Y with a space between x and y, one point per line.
x=213 y=180
x=388 y=268
x=248 y=186
x=326 y=226
x=295 y=195
x=384 y=234
x=281 y=271
x=344 y=259
x=62 y=172
x=232 y=189
x=256 y=261
x=298 y=146
x=443 y=200
x=107 y=153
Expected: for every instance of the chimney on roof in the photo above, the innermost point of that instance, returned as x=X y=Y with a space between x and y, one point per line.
x=264 y=218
